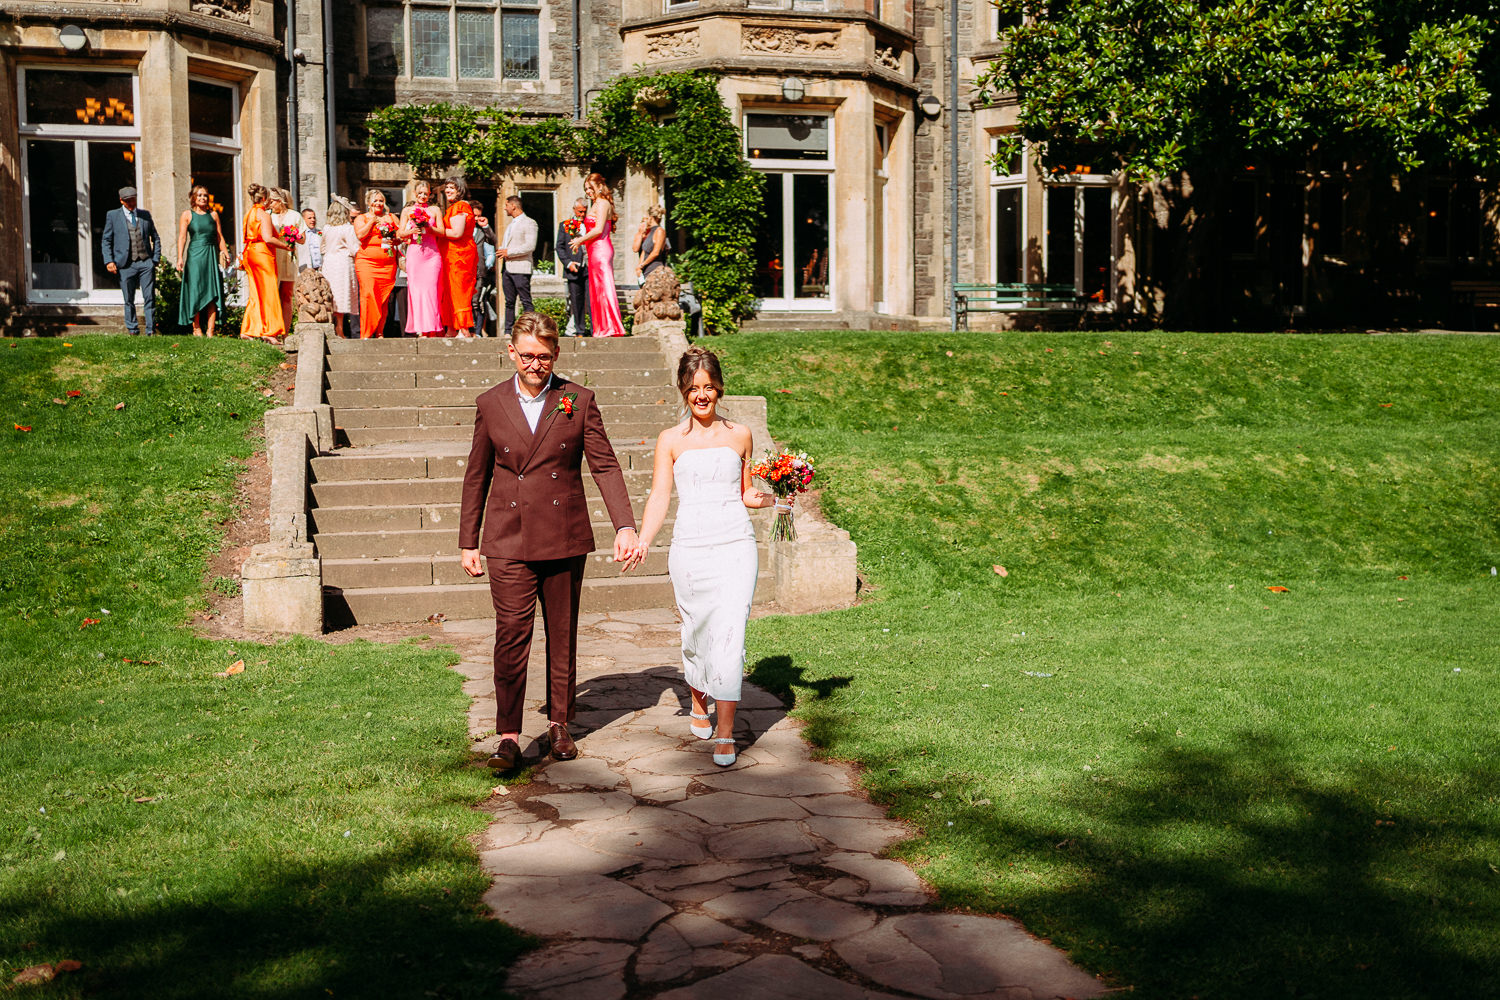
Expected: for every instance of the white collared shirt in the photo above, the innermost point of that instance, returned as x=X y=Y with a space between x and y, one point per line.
x=532 y=406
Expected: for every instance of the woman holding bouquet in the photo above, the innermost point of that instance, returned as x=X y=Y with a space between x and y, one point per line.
x=712 y=561
x=288 y=223
x=420 y=223
x=263 y=316
x=604 y=306
x=375 y=263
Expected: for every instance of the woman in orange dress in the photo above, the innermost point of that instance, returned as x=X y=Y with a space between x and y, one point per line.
x=374 y=265
x=460 y=257
x=263 y=316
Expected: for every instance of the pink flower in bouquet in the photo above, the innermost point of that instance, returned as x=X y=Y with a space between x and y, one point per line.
x=291 y=233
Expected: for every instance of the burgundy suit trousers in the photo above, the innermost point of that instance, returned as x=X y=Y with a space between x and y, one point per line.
x=515 y=588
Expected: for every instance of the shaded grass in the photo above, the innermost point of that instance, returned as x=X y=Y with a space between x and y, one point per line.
x=296 y=830
x=1198 y=786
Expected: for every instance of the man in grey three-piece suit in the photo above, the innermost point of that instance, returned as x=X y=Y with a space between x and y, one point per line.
x=131 y=247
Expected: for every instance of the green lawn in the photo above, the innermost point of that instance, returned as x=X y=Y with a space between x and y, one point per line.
x=1198 y=786
x=293 y=831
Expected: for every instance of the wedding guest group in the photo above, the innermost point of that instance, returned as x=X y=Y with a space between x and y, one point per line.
x=131 y=247
x=575 y=263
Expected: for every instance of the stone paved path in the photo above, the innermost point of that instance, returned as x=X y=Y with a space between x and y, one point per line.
x=650 y=872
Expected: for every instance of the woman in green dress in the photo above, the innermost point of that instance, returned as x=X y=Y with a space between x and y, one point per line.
x=200 y=246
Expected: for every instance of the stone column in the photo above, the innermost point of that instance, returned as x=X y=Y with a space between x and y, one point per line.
x=312 y=108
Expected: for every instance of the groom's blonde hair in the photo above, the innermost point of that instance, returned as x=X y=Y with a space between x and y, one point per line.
x=534 y=324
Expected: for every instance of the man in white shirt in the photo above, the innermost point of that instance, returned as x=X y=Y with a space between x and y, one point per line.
x=515 y=251
x=310 y=250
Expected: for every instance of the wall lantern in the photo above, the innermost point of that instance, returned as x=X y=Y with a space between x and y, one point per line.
x=931 y=106
x=792 y=88
x=72 y=38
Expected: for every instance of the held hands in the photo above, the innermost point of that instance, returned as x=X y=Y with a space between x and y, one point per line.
x=628 y=550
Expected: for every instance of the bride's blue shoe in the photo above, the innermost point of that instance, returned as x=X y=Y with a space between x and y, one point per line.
x=704 y=731
x=724 y=759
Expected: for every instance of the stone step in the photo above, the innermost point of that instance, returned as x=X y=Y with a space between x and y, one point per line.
x=436 y=538
x=343 y=468
x=410 y=492
x=369 y=605
x=593 y=347
x=659 y=415
x=445 y=570
x=482 y=378
x=360 y=437
x=650 y=364
x=464 y=392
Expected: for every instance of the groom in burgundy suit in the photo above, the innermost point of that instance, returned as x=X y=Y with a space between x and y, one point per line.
x=524 y=478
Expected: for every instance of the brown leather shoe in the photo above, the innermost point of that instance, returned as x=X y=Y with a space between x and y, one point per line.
x=506 y=756
x=563 y=747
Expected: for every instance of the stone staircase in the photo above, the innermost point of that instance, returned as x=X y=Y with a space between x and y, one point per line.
x=385 y=507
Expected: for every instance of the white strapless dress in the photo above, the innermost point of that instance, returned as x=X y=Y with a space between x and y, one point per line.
x=713 y=564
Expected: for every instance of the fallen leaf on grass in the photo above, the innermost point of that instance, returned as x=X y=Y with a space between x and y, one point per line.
x=119 y=406
x=1385 y=404
x=74 y=393
x=35 y=974
x=68 y=965
x=785 y=392
x=237 y=667
x=266 y=393
x=286 y=366
x=59 y=402
x=23 y=429
x=950 y=354
x=1401 y=578
x=1000 y=570
x=89 y=621
x=500 y=790
x=141 y=799
x=1278 y=590
x=144 y=663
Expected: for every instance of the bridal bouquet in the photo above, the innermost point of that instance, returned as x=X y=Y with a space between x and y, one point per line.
x=420 y=219
x=787 y=473
x=573 y=227
x=387 y=228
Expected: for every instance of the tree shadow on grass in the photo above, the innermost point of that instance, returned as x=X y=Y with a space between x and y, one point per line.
x=383 y=925
x=1234 y=873
x=782 y=678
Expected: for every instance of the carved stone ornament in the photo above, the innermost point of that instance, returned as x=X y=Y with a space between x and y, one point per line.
x=887 y=56
x=312 y=296
x=657 y=296
x=788 y=40
x=672 y=44
x=230 y=10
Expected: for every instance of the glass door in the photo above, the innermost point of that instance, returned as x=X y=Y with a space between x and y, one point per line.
x=794 y=266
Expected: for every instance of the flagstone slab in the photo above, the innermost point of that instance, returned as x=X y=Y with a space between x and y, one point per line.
x=499 y=835
x=754 y=904
x=881 y=875
x=773 y=977
x=947 y=956
x=667 y=955
x=659 y=787
x=584 y=969
x=840 y=805
x=869 y=835
x=809 y=779
x=704 y=932
x=584 y=772
x=562 y=854
x=579 y=906
x=647 y=832
x=588 y=805
x=777 y=838
x=730 y=808
x=690 y=761
x=819 y=919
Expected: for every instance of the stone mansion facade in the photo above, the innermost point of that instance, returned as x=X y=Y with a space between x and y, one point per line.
x=846 y=105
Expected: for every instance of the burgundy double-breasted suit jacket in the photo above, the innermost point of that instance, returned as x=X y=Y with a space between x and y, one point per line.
x=528 y=488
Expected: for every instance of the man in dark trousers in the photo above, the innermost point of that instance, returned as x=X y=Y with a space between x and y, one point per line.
x=131 y=248
x=575 y=267
x=513 y=256
x=525 y=481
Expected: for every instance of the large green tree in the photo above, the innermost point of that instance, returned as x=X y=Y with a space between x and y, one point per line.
x=1184 y=93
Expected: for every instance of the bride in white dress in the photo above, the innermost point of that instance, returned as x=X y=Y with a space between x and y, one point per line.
x=712 y=561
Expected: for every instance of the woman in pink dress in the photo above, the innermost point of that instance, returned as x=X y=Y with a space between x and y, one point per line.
x=424 y=263
x=604 y=306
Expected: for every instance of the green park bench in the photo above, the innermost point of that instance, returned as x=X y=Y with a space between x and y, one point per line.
x=974 y=297
x=1469 y=297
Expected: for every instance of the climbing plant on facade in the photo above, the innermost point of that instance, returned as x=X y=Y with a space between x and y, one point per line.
x=674 y=124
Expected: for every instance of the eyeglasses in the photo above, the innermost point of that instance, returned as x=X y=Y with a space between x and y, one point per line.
x=545 y=360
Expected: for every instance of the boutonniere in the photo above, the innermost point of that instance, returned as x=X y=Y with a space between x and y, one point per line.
x=565 y=406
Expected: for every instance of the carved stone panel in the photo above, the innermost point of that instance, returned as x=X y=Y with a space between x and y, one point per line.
x=231 y=10
x=788 y=41
x=672 y=44
x=888 y=56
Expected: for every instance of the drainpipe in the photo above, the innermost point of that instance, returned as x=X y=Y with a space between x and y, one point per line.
x=293 y=165
x=328 y=98
x=578 y=60
x=953 y=161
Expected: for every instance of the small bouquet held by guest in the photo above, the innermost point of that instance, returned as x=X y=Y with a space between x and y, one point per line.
x=573 y=228
x=787 y=473
x=292 y=234
x=420 y=220
x=387 y=228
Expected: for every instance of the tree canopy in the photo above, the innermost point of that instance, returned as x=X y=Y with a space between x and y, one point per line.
x=672 y=123
x=1155 y=87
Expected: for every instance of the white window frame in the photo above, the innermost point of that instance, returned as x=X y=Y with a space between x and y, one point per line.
x=229 y=145
x=999 y=182
x=80 y=136
x=787 y=169
x=1079 y=183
